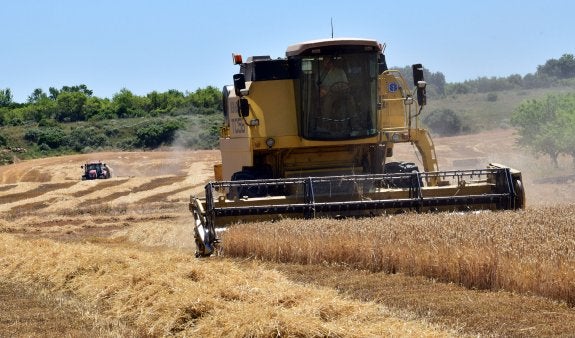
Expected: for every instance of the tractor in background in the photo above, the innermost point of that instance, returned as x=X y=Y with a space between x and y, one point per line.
x=96 y=170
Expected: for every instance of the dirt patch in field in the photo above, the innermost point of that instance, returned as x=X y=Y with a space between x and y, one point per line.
x=35 y=205
x=158 y=182
x=162 y=197
x=100 y=186
x=37 y=191
x=7 y=187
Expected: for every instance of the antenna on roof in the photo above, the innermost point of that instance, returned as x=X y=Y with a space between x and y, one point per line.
x=331 y=20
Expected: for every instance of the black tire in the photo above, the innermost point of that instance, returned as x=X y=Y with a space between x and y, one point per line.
x=256 y=190
x=519 y=194
x=401 y=168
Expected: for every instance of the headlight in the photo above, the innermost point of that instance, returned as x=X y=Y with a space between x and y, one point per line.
x=270 y=142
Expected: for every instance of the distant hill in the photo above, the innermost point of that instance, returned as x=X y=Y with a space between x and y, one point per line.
x=485 y=111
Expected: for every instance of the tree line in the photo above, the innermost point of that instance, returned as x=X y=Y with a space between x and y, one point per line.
x=446 y=122
x=72 y=119
x=76 y=103
x=547 y=75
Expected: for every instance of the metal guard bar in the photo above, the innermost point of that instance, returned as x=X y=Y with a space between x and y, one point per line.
x=361 y=205
x=504 y=197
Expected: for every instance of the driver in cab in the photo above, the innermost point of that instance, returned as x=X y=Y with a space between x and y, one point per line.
x=330 y=75
x=336 y=103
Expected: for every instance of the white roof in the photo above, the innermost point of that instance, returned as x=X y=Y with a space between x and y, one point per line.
x=306 y=45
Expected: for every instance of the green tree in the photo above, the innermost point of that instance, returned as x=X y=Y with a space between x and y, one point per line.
x=546 y=142
x=70 y=106
x=531 y=116
x=162 y=103
x=43 y=109
x=436 y=83
x=444 y=122
x=86 y=137
x=15 y=116
x=537 y=80
x=53 y=93
x=562 y=69
x=54 y=137
x=5 y=97
x=457 y=88
x=77 y=89
x=98 y=109
x=565 y=132
x=126 y=104
x=51 y=137
x=546 y=126
x=515 y=80
x=152 y=135
x=3 y=113
x=37 y=95
x=209 y=97
x=158 y=102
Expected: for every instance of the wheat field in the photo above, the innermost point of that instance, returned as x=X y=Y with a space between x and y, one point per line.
x=530 y=251
x=116 y=257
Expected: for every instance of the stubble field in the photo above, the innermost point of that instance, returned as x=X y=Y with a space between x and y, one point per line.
x=115 y=257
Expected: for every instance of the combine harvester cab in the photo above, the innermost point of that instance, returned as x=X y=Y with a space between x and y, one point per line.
x=308 y=136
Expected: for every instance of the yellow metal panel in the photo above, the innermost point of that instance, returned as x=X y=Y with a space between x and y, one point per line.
x=218 y=172
x=236 y=125
x=294 y=141
x=236 y=153
x=273 y=104
x=392 y=114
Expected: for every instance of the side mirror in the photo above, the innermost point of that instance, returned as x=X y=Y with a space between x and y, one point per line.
x=419 y=82
x=417 y=73
x=239 y=83
x=244 y=107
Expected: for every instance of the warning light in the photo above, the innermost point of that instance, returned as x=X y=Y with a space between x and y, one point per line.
x=237 y=59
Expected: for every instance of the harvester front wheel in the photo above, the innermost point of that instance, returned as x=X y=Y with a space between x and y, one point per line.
x=519 y=194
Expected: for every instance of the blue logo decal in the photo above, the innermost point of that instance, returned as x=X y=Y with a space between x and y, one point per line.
x=392 y=87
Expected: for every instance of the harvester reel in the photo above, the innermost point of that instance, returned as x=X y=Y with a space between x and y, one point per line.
x=203 y=235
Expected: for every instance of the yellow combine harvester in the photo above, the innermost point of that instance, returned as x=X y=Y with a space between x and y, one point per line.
x=308 y=136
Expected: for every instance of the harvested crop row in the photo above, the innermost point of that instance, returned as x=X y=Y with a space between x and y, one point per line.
x=164 y=292
x=530 y=251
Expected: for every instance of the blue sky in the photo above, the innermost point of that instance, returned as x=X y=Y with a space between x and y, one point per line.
x=185 y=45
